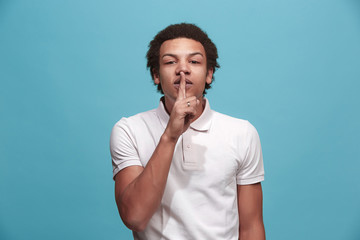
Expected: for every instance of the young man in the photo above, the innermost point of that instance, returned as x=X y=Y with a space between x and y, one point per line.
x=184 y=171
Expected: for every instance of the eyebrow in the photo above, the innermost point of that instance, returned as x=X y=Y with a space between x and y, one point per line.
x=175 y=56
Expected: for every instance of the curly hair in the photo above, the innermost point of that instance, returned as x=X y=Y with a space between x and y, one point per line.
x=181 y=30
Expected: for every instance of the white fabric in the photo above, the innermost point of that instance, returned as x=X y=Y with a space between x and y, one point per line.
x=215 y=154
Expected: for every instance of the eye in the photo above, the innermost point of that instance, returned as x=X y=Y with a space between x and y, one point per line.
x=170 y=62
x=194 y=62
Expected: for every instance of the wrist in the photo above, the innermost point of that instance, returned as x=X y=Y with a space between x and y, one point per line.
x=168 y=138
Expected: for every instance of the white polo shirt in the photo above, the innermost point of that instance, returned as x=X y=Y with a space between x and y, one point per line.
x=215 y=154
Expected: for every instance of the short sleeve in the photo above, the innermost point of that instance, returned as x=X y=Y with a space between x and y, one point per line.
x=122 y=147
x=251 y=169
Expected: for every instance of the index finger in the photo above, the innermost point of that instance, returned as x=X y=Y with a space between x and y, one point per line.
x=182 y=86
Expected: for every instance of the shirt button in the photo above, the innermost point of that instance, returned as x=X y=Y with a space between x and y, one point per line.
x=188 y=146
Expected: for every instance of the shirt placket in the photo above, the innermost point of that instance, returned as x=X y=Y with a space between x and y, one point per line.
x=189 y=161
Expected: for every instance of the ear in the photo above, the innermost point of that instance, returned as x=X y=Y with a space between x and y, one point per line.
x=156 y=77
x=209 y=75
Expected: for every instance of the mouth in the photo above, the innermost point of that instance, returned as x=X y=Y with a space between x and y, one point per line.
x=187 y=85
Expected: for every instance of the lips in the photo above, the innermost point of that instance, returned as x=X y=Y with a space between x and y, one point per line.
x=187 y=85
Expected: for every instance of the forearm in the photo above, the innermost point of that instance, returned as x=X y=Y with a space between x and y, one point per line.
x=140 y=199
x=251 y=225
x=254 y=232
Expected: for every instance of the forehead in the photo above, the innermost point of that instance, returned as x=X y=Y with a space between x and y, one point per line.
x=181 y=46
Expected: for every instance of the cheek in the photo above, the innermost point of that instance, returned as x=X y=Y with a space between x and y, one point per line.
x=163 y=74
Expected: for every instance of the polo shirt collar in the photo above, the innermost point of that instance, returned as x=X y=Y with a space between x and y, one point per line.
x=203 y=123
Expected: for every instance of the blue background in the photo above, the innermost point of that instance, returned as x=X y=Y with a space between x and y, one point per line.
x=70 y=69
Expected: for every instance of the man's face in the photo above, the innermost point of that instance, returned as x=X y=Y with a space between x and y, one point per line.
x=182 y=55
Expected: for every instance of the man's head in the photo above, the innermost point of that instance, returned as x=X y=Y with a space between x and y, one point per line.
x=182 y=30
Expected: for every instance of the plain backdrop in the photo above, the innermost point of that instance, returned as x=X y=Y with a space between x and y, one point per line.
x=70 y=69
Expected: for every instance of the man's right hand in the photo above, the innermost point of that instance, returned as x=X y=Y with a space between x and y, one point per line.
x=183 y=111
x=139 y=190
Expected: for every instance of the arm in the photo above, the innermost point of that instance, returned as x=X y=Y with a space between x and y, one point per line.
x=138 y=190
x=251 y=226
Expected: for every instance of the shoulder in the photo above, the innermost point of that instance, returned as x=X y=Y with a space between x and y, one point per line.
x=136 y=120
x=134 y=126
x=238 y=131
x=232 y=124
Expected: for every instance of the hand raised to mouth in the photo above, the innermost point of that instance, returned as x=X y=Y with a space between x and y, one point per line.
x=183 y=111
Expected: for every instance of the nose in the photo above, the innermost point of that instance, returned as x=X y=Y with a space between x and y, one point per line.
x=183 y=67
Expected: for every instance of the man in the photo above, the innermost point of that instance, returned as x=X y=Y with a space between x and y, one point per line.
x=184 y=171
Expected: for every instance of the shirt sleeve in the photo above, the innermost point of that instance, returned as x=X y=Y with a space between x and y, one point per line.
x=251 y=169
x=122 y=147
